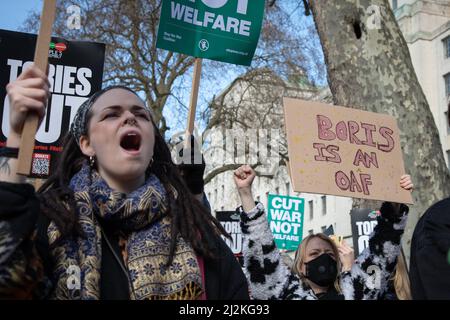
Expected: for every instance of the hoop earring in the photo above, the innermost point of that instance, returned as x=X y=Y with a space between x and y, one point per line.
x=92 y=162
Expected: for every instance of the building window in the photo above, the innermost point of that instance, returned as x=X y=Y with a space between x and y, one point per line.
x=323 y=228
x=311 y=209
x=310 y=232
x=324 y=205
x=447 y=47
x=288 y=188
x=447 y=121
x=447 y=116
x=394 y=4
x=222 y=208
x=447 y=84
x=448 y=158
x=258 y=198
x=277 y=190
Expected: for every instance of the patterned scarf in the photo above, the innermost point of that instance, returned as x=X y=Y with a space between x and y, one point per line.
x=141 y=215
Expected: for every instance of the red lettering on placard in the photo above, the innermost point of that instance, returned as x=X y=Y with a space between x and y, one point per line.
x=353 y=129
x=331 y=155
x=334 y=151
x=345 y=182
x=365 y=181
x=342 y=181
x=387 y=134
x=369 y=128
x=349 y=130
x=319 y=147
x=341 y=131
x=323 y=125
x=365 y=159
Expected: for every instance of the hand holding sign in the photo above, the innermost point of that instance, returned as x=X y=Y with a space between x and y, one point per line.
x=406 y=183
x=28 y=93
x=41 y=60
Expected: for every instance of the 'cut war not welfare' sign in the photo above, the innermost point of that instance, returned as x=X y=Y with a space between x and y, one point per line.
x=223 y=30
x=344 y=151
x=285 y=216
x=75 y=73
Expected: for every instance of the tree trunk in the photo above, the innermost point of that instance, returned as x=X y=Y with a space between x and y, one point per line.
x=369 y=68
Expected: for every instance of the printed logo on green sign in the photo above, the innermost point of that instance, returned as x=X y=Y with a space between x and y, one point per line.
x=223 y=30
x=203 y=45
x=285 y=215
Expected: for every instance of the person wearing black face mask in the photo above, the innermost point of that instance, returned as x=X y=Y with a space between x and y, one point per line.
x=321 y=270
x=316 y=264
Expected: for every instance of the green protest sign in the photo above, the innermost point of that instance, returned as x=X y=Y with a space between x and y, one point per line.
x=285 y=215
x=223 y=30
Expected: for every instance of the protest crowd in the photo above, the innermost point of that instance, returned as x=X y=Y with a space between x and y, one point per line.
x=118 y=218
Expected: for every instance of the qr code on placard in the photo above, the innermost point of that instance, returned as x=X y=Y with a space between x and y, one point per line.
x=41 y=164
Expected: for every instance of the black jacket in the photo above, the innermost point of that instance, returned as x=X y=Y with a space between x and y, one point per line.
x=430 y=254
x=23 y=241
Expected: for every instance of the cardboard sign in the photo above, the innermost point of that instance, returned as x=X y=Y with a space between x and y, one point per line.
x=285 y=216
x=223 y=30
x=232 y=224
x=31 y=124
x=344 y=152
x=363 y=223
x=75 y=73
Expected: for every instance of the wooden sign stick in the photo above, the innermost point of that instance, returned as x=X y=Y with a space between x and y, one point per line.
x=193 y=101
x=41 y=61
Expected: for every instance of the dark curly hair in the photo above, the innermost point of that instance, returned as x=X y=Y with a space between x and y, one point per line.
x=189 y=217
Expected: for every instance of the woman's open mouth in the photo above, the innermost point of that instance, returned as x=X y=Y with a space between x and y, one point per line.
x=131 y=142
